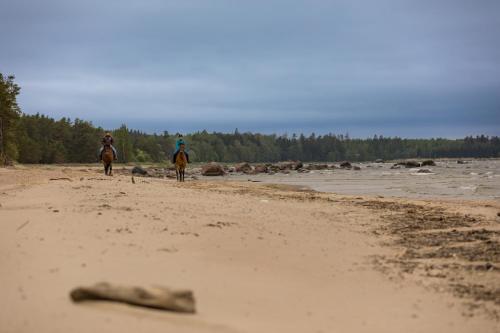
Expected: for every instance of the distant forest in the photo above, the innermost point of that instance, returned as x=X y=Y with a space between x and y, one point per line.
x=41 y=139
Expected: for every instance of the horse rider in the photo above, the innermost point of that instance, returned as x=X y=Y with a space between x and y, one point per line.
x=180 y=142
x=107 y=140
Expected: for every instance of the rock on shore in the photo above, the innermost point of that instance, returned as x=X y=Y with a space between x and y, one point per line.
x=212 y=169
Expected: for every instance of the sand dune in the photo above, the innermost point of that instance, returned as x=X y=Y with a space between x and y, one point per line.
x=259 y=258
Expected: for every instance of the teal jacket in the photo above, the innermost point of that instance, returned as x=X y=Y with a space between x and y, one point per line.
x=178 y=143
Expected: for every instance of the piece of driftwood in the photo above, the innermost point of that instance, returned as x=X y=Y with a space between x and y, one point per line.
x=154 y=297
x=23 y=225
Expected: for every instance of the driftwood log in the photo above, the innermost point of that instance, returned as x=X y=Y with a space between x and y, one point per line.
x=154 y=297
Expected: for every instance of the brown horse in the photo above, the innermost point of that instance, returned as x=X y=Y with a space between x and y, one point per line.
x=180 y=165
x=107 y=160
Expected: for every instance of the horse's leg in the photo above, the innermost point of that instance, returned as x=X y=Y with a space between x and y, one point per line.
x=111 y=169
x=177 y=174
x=183 y=174
x=105 y=169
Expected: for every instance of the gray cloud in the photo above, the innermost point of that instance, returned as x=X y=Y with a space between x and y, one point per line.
x=395 y=67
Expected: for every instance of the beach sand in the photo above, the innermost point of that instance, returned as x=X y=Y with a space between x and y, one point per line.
x=258 y=257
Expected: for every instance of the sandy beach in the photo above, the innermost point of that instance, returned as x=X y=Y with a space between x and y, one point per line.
x=258 y=257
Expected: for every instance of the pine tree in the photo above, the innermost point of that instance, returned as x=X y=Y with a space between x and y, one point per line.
x=9 y=117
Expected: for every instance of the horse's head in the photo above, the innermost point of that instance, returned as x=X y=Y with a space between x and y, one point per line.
x=182 y=147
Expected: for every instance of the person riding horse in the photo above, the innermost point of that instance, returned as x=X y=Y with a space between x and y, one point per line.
x=107 y=140
x=180 y=141
x=181 y=161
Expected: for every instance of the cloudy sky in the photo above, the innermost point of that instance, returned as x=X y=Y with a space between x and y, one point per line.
x=412 y=68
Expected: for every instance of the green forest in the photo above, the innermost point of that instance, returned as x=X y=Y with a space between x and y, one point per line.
x=38 y=138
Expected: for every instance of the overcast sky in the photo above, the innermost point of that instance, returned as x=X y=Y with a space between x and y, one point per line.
x=412 y=68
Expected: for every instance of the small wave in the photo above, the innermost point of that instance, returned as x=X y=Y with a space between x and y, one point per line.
x=468 y=188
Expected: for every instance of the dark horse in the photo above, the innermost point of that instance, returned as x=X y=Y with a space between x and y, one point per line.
x=107 y=160
x=180 y=165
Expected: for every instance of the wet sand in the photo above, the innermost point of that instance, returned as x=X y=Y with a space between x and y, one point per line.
x=259 y=257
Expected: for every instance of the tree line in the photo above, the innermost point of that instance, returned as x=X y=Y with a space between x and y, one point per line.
x=41 y=139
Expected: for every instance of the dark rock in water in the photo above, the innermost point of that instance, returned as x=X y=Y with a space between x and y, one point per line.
x=412 y=164
x=298 y=165
x=243 y=167
x=212 y=169
x=273 y=168
x=462 y=162
x=346 y=165
x=409 y=164
x=317 y=166
x=284 y=166
x=424 y=171
x=396 y=166
x=379 y=160
x=302 y=170
x=290 y=165
x=428 y=163
x=356 y=168
x=137 y=170
x=260 y=169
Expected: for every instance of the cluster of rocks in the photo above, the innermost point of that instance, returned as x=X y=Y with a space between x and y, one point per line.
x=214 y=169
x=217 y=169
